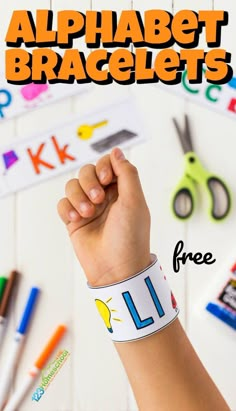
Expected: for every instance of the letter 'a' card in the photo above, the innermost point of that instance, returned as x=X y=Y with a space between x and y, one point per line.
x=19 y=99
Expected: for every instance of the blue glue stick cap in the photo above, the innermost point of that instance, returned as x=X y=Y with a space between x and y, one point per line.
x=223 y=314
x=28 y=311
x=232 y=82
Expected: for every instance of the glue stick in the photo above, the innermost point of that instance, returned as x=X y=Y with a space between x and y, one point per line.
x=223 y=306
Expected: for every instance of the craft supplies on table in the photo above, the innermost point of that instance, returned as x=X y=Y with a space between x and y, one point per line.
x=223 y=304
x=15 y=350
x=184 y=196
x=41 y=361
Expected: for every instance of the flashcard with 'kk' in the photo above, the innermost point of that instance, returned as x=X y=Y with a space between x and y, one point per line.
x=70 y=145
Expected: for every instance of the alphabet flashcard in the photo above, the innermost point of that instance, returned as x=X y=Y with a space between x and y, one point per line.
x=30 y=161
x=18 y=99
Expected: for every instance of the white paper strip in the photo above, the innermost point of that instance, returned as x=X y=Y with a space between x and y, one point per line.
x=221 y=98
x=81 y=140
x=136 y=307
x=15 y=100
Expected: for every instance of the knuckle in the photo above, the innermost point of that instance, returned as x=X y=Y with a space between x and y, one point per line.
x=60 y=206
x=85 y=170
x=70 y=184
x=75 y=198
x=103 y=160
x=132 y=169
x=59 y=203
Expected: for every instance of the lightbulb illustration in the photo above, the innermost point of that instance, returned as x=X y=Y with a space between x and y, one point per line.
x=105 y=313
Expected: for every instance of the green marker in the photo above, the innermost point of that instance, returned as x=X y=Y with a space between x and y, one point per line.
x=3 y=281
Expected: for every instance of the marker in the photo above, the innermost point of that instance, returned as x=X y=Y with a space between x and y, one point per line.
x=232 y=83
x=7 y=372
x=3 y=281
x=5 y=301
x=39 y=364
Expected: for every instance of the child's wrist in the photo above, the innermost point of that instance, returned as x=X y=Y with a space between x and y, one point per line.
x=123 y=271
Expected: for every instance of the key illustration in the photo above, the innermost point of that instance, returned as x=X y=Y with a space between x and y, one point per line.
x=85 y=131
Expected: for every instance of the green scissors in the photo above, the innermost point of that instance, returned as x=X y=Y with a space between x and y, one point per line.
x=184 y=197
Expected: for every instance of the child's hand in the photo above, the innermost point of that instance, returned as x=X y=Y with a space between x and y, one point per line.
x=108 y=219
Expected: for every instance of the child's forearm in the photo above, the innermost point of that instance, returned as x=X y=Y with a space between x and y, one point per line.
x=163 y=369
x=166 y=374
x=109 y=224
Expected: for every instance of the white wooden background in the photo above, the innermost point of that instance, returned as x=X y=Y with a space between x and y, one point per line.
x=33 y=240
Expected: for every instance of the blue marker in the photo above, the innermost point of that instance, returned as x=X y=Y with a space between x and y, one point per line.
x=7 y=372
x=25 y=319
x=7 y=102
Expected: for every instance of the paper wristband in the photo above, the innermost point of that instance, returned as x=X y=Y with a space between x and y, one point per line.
x=138 y=306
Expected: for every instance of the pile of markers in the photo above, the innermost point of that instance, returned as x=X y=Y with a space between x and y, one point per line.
x=7 y=370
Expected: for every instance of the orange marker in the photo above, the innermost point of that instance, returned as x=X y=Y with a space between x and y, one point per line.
x=51 y=345
x=19 y=395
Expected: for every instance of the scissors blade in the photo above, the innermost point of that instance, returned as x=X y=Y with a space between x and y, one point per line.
x=182 y=137
x=188 y=137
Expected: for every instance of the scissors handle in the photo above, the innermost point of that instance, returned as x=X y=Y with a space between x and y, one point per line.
x=183 y=199
x=219 y=198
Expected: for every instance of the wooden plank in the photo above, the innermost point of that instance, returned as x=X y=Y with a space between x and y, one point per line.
x=98 y=365
x=7 y=205
x=152 y=5
x=158 y=107
x=43 y=256
x=213 y=342
x=196 y=6
x=33 y=238
x=228 y=32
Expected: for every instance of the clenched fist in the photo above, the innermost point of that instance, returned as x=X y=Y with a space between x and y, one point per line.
x=108 y=219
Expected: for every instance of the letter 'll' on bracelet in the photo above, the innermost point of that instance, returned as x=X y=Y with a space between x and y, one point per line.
x=138 y=306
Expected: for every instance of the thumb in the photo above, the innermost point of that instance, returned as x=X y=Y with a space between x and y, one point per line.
x=128 y=183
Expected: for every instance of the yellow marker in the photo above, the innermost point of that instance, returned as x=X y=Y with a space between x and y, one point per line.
x=85 y=131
